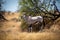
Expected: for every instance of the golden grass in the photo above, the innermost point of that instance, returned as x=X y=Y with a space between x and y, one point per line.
x=16 y=35
x=30 y=36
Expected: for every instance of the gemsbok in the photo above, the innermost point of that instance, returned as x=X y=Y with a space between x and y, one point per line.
x=32 y=20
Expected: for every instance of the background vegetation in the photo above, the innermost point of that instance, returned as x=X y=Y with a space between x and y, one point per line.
x=45 y=8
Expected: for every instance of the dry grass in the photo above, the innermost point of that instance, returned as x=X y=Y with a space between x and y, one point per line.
x=30 y=36
x=17 y=35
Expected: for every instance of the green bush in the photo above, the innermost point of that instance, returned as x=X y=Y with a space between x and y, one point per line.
x=24 y=25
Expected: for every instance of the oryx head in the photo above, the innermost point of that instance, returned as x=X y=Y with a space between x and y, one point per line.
x=24 y=16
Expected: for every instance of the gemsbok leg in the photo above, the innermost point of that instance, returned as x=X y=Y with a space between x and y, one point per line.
x=30 y=28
